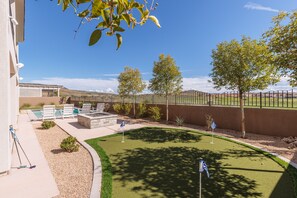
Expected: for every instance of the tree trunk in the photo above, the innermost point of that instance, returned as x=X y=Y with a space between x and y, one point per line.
x=134 y=106
x=242 y=114
x=166 y=109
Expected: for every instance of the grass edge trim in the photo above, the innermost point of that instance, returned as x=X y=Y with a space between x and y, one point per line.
x=106 y=182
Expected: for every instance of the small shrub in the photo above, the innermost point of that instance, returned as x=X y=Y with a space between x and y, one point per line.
x=127 y=108
x=106 y=107
x=80 y=104
x=179 y=121
x=52 y=103
x=41 y=104
x=48 y=124
x=155 y=113
x=25 y=106
x=117 y=108
x=69 y=144
x=141 y=110
x=209 y=120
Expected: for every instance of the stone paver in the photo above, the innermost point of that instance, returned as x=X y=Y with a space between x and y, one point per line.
x=37 y=182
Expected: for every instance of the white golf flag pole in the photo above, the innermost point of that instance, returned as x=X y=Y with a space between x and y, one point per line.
x=200 y=184
x=202 y=167
x=123 y=131
x=213 y=126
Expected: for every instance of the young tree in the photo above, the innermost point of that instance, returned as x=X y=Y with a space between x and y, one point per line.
x=245 y=66
x=109 y=15
x=282 y=41
x=130 y=84
x=167 y=79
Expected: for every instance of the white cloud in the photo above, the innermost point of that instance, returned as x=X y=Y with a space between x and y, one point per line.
x=202 y=84
x=110 y=85
x=111 y=75
x=87 y=84
x=199 y=83
x=255 y=6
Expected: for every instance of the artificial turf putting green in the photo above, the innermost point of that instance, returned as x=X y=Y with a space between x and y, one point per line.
x=161 y=162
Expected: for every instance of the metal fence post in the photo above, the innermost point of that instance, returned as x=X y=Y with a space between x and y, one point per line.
x=175 y=99
x=260 y=100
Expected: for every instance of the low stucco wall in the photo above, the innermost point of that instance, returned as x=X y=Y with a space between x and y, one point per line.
x=34 y=101
x=275 y=122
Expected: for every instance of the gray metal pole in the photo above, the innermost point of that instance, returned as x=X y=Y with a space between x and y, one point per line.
x=200 y=185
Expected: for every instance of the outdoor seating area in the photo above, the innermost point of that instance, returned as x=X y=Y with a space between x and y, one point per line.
x=51 y=112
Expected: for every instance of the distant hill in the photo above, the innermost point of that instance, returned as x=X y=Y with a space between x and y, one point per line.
x=69 y=92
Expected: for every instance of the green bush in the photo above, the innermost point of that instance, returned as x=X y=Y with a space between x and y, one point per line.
x=141 y=110
x=52 y=103
x=41 y=104
x=179 y=121
x=155 y=113
x=80 y=104
x=48 y=124
x=117 y=108
x=127 y=108
x=69 y=144
x=25 y=106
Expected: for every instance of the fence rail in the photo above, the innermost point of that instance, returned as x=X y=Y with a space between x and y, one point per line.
x=272 y=99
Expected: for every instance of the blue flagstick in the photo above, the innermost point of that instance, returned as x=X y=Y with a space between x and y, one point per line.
x=202 y=168
x=213 y=126
x=122 y=125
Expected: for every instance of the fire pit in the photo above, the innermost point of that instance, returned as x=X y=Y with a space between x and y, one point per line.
x=96 y=120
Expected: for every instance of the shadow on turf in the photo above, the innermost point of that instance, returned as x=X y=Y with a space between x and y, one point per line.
x=173 y=172
x=160 y=135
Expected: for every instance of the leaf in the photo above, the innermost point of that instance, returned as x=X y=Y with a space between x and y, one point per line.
x=65 y=4
x=105 y=16
x=84 y=13
x=97 y=7
x=101 y=24
x=119 y=29
x=109 y=33
x=126 y=17
x=145 y=14
x=120 y=40
x=82 y=1
x=155 y=20
x=96 y=35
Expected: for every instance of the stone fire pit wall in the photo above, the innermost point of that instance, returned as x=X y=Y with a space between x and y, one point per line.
x=96 y=120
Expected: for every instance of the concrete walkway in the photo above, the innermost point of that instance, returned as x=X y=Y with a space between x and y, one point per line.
x=72 y=127
x=37 y=182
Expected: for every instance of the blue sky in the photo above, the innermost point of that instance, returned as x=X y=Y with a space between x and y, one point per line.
x=190 y=30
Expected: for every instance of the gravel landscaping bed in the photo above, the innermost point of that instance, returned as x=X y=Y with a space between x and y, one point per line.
x=73 y=172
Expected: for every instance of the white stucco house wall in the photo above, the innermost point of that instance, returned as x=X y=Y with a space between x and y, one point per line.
x=12 y=15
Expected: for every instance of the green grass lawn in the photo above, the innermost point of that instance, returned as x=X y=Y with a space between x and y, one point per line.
x=159 y=162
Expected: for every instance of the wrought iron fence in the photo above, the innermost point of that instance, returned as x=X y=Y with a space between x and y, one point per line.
x=271 y=99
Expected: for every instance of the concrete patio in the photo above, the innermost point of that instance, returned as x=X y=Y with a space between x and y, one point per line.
x=72 y=127
x=37 y=182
